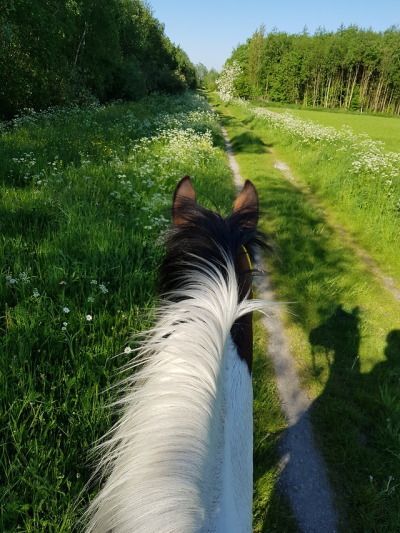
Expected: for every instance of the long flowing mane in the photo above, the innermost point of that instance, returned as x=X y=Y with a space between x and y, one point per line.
x=169 y=461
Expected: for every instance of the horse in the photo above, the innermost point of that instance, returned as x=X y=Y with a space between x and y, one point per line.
x=180 y=459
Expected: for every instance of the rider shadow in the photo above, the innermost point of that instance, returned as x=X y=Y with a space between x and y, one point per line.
x=303 y=478
x=364 y=406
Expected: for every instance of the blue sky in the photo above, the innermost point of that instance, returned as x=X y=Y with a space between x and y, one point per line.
x=208 y=30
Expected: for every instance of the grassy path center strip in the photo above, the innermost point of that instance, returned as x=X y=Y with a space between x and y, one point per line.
x=386 y=281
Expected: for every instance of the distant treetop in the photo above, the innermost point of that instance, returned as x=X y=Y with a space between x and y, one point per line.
x=351 y=68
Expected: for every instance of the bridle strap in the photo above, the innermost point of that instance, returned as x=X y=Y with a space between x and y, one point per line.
x=246 y=253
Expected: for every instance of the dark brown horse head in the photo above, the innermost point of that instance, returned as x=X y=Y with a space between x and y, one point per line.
x=198 y=234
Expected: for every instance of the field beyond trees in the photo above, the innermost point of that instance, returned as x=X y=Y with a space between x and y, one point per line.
x=378 y=128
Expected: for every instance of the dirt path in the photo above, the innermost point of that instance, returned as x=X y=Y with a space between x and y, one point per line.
x=371 y=265
x=303 y=476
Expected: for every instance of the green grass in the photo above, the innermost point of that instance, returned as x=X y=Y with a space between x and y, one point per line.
x=379 y=128
x=344 y=331
x=367 y=203
x=84 y=196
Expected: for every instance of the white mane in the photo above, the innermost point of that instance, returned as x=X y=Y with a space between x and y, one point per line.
x=171 y=461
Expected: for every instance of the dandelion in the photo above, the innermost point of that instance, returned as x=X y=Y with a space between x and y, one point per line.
x=89 y=318
x=66 y=310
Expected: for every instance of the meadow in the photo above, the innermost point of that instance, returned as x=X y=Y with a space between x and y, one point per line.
x=85 y=200
x=378 y=127
x=343 y=326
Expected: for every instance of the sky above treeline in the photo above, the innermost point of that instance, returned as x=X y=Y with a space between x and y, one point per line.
x=208 y=30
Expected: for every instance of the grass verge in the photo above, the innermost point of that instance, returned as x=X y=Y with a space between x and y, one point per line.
x=352 y=175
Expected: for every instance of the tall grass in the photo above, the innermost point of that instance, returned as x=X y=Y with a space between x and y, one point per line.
x=84 y=199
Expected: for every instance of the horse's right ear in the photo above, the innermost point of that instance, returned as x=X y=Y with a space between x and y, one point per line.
x=247 y=203
x=184 y=195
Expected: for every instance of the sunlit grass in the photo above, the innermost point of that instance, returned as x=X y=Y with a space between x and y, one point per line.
x=379 y=128
x=344 y=330
x=354 y=176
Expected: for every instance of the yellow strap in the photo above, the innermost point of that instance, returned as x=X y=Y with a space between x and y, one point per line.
x=246 y=253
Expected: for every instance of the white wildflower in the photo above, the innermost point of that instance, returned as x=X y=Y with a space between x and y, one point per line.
x=103 y=288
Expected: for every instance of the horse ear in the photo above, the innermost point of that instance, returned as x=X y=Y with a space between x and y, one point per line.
x=247 y=203
x=184 y=195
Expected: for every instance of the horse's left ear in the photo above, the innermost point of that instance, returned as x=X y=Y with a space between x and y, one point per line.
x=247 y=203
x=184 y=195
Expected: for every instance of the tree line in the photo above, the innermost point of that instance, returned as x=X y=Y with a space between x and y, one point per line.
x=55 y=52
x=351 y=68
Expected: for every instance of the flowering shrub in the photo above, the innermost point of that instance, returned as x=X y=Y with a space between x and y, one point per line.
x=226 y=81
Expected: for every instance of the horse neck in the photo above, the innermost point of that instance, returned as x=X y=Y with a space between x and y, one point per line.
x=234 y=510
x=180 y=459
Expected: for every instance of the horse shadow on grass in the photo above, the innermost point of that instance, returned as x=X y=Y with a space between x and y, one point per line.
x=356 y=418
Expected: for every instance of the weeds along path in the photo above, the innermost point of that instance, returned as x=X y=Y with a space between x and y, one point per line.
x=386 y=281
x=303 y=474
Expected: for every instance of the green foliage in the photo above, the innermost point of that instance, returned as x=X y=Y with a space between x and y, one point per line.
x=53 y=53
x=351 y=69
x=206 y=78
